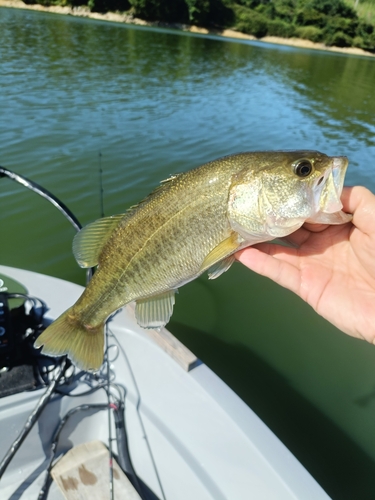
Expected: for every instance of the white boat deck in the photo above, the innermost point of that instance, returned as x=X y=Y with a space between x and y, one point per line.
x=190 y=435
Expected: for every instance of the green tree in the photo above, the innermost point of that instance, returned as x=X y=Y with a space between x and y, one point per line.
x=170 y=11
x=199 y=11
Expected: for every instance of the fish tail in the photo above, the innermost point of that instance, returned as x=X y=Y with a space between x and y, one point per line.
x=67 y=335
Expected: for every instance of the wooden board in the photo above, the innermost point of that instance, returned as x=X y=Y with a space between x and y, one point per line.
x=168 y=342
x=83 y=474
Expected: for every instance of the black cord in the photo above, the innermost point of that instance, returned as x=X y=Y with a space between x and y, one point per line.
x=102 y=380
x=118 y=407
x=124 y=459
x=47 y=481
x=33 y=417
x=85 y=393
x=25 y=296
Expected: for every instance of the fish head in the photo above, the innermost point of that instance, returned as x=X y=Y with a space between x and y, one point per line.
x=284 y=189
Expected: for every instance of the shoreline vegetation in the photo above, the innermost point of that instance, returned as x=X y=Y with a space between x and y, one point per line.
x=129 y=18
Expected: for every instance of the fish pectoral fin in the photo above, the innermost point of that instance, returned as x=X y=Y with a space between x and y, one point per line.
x=88 y=243
x=220 y=267
x=334 y=218
x=284 y=242
x=215 y=259
x=155 y=312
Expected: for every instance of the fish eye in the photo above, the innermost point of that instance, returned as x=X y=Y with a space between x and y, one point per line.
x=303 y=168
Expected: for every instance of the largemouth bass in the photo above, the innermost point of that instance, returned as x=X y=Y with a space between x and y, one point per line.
x=192 y=223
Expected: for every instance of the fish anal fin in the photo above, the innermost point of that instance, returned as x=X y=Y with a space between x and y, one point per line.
x=223 y=250
x=220 y=267
x=89 y=242
x=84 y=346
x=155 y=311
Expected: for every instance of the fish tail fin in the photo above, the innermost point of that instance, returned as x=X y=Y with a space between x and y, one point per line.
x=67 y=335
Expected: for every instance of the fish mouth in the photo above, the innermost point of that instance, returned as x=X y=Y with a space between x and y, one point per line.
x=328 y=196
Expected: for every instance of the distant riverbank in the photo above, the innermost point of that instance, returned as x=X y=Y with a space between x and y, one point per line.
x=128 y=19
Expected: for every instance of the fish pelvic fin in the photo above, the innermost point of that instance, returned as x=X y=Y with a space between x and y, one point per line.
x=220 y=267
x=67 y=335
x=222 y=252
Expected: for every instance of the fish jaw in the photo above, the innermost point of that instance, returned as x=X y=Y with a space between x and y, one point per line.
x=330 y=198
x=327 y=193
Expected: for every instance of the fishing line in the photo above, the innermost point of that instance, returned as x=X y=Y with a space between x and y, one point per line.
x=101 y=191
x=153 y=461
x=110 y=407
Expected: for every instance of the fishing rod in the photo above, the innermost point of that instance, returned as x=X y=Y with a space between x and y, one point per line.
x=45 y=398
x=44 y=193
x=33 y=417
x=47 y=195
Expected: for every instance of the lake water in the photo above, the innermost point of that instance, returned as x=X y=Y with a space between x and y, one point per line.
x=140 y=103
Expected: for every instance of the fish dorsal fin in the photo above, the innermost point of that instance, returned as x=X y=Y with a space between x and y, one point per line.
x=220 y=267
x=162 y=185
x=220 y=252
x=88 y=243
x=154 y=312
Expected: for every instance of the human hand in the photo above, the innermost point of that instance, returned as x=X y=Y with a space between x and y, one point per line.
x=333 y=268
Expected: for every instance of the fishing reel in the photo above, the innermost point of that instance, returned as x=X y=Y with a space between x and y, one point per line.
x=19 y=327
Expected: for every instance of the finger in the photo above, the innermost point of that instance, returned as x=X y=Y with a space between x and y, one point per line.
x=315 y=228
x=300 y=236
x=284 y=272
x=360 y=202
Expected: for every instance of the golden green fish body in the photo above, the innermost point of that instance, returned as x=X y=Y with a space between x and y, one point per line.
x=161 y=244
x=193 y=222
